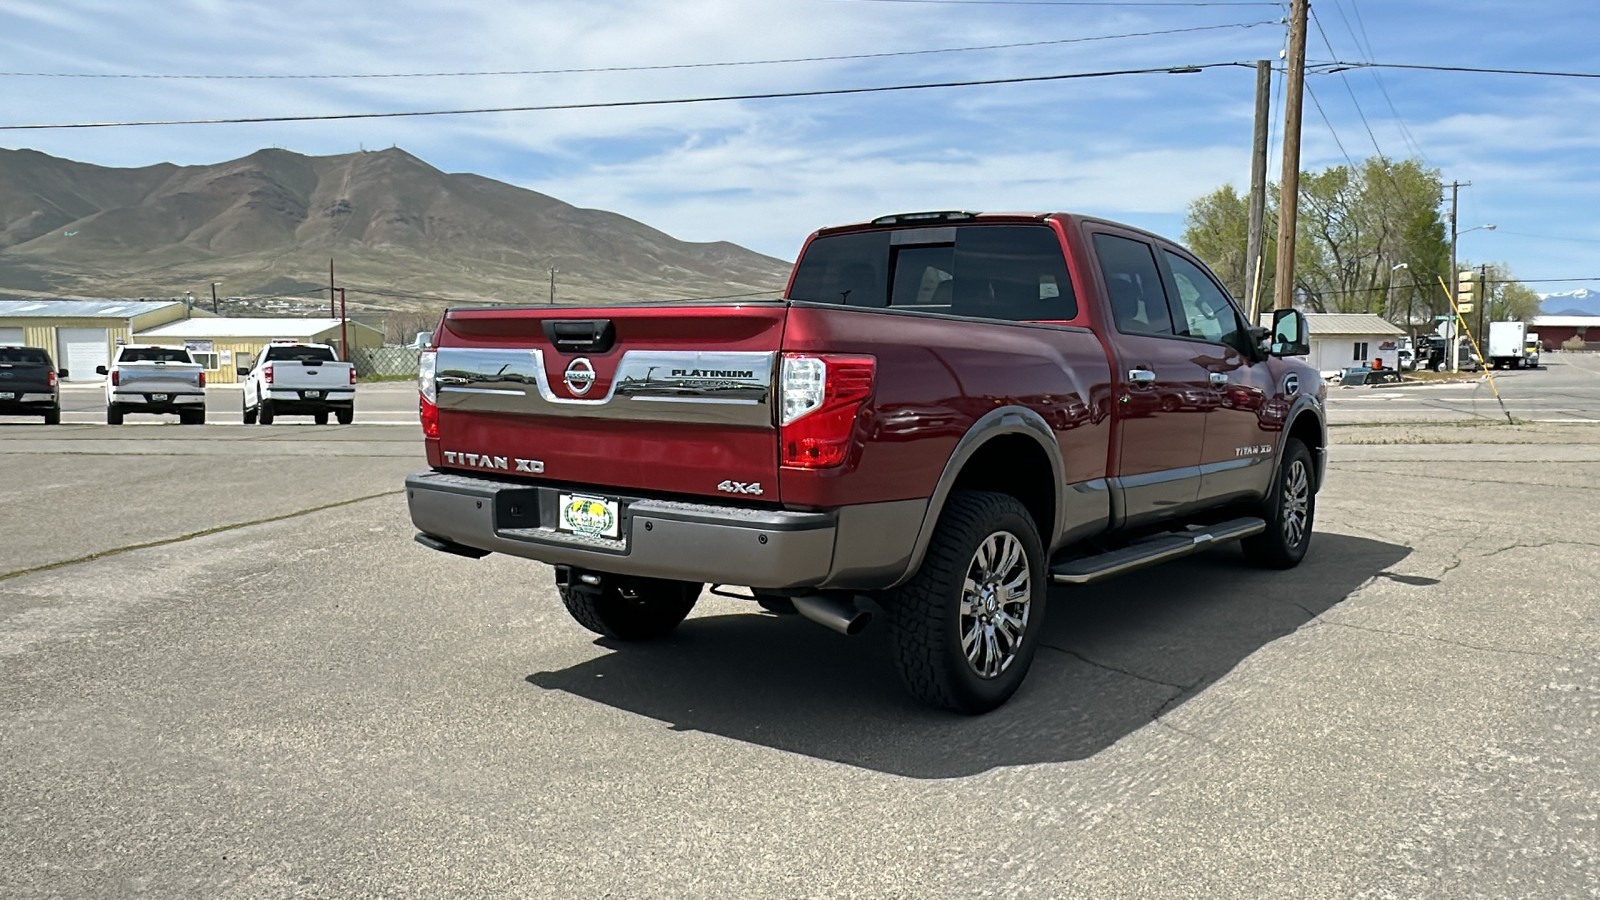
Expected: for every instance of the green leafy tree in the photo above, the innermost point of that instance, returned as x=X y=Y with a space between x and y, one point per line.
x=1217 y=229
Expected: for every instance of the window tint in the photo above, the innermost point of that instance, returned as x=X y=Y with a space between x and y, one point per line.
x=153 y=354
x=24 y=355
x=1138 y=301
x=1206 y=309
x=299 y=354
x=1014 y=272
x=851 y=269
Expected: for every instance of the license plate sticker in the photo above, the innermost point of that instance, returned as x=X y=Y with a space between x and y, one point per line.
x=158 y=398
x=592 y=516
x=313 y=395
x=7 y=395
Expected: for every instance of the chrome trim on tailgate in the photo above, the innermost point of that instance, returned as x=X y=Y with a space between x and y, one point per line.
x=728 y=388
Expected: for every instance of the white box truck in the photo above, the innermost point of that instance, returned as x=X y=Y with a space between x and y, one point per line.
x=1512 y=345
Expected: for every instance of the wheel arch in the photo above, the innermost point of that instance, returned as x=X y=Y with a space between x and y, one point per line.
x=1010 y=450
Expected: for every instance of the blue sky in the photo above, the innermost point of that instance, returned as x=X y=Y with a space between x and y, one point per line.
x=765 y=173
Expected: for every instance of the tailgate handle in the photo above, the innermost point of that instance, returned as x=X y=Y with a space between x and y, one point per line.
x=581 y=335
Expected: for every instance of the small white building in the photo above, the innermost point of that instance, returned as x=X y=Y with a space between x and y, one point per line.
x=1342 y=341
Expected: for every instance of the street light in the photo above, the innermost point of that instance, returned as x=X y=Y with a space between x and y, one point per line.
x=1455 y=339
x=1389 y=298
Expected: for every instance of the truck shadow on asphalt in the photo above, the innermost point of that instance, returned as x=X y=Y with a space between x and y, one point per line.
x=1116 y=656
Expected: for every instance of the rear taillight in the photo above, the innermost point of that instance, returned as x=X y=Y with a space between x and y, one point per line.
x=116 y=378
x=427 y=395
x=352 y=374
x=50 y=379
x=202 y=379
x=821 y=398
x=266 y=373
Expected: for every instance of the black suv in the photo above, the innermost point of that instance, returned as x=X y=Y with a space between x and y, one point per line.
x=29 y=385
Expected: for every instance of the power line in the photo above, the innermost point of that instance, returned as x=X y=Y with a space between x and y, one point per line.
x=653 y=68
x=1078 y=2
x=617 y=104
x=1328 y=68
x=1354 y=102
x=1326 y=121
x=1364 y=44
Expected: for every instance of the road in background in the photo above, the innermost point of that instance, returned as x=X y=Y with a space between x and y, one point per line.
x=227 y=671
x=1565 y=389
x=377 y=403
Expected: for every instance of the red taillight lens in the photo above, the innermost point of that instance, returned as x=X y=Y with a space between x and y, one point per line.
x=50 y=379
x=266 y=373
x=821 y=396
x=352 y=374
x=116 y=378
x=429 y=412
x=202 y=379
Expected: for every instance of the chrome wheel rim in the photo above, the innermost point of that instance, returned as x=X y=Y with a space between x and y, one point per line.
x=996 y=598
x=1296 y=503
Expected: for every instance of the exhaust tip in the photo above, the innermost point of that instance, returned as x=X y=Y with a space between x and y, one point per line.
x=836 y=613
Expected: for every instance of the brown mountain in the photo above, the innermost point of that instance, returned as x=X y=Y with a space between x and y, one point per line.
x=401 y=234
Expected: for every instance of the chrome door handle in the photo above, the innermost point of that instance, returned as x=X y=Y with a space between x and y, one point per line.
x=1219 y=379
x=1141 y=376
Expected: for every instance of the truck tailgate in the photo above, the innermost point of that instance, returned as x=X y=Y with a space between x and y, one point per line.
x=295 y=375
x=158 y=378
x=664 y=399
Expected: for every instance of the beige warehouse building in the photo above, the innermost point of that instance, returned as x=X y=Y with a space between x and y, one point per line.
x=83 y=334
x=221 y=343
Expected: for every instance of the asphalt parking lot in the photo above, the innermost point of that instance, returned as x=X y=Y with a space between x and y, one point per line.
x=227 y=671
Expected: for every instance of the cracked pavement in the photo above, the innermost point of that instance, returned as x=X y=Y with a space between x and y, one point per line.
x=300 y=702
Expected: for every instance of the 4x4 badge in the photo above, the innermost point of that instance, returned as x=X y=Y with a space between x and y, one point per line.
x=580 y=376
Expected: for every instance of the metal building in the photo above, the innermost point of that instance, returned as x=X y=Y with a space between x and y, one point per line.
x=82 y=334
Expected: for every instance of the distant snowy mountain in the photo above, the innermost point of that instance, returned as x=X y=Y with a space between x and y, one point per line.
x=1581 y=302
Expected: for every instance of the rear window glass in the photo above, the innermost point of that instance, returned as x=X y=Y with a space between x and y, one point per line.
x=153 y=354
x=1013 y=272
x=299 y=354
x=14 y=355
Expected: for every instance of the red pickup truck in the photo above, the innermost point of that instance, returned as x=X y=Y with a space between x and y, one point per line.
x=946 y=414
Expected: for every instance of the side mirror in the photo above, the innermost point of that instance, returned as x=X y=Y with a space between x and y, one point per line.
x=1290 y=334
x=100 y=370
x=61 y=373
x=244 y=371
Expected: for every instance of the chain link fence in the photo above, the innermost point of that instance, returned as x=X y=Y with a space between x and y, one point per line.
x=387 y=362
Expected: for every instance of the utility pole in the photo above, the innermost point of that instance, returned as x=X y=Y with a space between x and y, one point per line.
x=1258 y=190
x=1483 y=302
x=214 y=297
x=553 y=271
x=331 y=289
x=344 y=332
x=1454 y=337
x=1289 y=190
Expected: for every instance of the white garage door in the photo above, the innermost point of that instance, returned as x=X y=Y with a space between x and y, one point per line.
x=80 y=350
x=10 y=336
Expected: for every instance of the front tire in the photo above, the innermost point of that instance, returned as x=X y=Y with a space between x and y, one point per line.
x=249 y=413
x=630 y=609
x=967 y=624
x=1290 y=512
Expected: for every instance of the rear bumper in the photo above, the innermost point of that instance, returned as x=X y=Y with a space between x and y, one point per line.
x=26 y=403
x=291 y=402
x=759 y=548
x=143 y=402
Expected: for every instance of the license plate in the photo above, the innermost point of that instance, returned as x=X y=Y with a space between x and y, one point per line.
x=158 y=398
x=593 y=516
x=7 y=395
x=313 y=395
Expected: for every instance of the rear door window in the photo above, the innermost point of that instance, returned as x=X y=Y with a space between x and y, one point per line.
x=1133 y=284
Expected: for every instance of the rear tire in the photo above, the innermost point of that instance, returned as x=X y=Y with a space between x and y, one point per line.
x=265 y=411
x=967 y=624
x=320 y=418
x=345 y=416
x=192 y=418
x=113 y=415
x=1290 y=511
x=630 y=609
x=53 y=416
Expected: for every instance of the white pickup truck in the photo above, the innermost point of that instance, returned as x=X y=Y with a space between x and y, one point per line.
x=294 y=379
x=160 y=380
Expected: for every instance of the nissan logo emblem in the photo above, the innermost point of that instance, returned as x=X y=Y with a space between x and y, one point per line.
x=580 y=376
